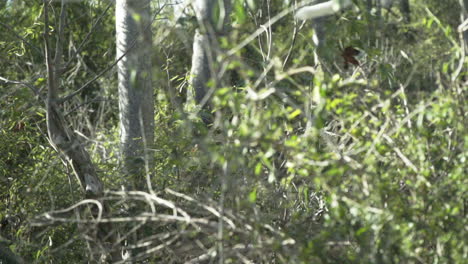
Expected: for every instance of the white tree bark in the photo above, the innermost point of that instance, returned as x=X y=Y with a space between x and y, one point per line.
x=200 y=72
x=203 y=51
x=136 y=103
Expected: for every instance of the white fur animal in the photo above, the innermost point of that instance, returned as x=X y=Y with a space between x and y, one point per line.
x=322 y=9
x=329 y=8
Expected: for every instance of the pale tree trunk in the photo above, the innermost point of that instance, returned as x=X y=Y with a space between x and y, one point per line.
x=69 y=146
x=200 y=73
x=136 y=103
x=203 y=49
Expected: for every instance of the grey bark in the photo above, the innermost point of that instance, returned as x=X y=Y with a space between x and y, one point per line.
x=203 y=47
x=61 y=137
x=200 y=72
x=136 y=103
x=67 y=144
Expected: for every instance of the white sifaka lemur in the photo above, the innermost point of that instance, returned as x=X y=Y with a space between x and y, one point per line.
x=322 y=9
x=329 y=8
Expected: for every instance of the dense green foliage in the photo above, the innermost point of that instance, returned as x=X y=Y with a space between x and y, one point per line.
x=311 y=162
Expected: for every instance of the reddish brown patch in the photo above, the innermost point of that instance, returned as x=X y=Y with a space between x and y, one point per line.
x=348 y=55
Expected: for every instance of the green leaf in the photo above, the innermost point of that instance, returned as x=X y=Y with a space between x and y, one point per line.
x=258 y=168
x=222 y=91
x=239 y=11
x=253 y=195
x=294 y=114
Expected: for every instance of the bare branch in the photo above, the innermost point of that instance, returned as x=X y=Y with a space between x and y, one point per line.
x=25 y=84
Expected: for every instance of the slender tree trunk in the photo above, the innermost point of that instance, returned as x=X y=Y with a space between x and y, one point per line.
x=203 y=49
x=136 y=103
x=405 y=10
x=69 y=146
x=200 y=73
